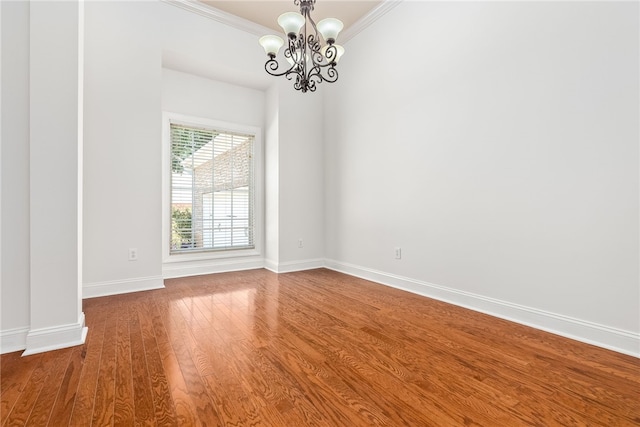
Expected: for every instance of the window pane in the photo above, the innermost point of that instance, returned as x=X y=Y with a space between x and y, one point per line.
x=211 y=190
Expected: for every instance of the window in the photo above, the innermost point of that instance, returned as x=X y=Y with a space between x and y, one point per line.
x=211 y=188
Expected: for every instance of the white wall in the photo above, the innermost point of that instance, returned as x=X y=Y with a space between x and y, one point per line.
x=15 y=175
x=301 y=173
x=294 y=181
x=122 y=154
x=201 y=97
x=498 y=147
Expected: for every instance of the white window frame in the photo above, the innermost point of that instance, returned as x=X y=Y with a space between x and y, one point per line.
x=167 y=119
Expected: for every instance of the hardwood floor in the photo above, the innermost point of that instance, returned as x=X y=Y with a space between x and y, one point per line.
x=314 y=348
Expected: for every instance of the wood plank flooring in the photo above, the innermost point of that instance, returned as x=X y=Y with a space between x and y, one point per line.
x=313 y=348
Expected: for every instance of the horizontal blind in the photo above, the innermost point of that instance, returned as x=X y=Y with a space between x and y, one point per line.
x=212 y=190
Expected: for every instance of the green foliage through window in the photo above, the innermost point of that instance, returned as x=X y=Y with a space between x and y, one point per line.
x=185 y=142
x=181 y=228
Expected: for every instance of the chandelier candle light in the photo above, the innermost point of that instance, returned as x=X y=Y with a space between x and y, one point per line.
x=310 y=61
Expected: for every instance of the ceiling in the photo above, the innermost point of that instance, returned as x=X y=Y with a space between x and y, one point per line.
x=266 y=12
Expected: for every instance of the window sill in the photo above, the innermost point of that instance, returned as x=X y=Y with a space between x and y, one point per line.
x=210 y=255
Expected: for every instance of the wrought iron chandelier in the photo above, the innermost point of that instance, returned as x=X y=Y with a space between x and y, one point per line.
x=310 y=61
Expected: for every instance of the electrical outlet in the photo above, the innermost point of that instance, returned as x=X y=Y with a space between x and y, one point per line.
x=133 y=254
x=398 y=253
x=300 y=243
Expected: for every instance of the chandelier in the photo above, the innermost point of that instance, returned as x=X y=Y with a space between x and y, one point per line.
x=309 y=60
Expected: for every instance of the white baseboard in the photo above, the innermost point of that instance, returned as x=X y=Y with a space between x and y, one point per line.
x=13 y=340
x=197 y=268
x=290 y=266
x=592 y=333
x=47 y=339
x=271 y=265
x=103 y=289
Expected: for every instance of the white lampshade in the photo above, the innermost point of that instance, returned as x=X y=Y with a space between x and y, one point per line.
x=291 y=22
x=271 y=44
x=339 y=52
x=330 y=28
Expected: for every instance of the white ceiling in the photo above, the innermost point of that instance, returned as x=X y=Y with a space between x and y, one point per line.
x=266 y=12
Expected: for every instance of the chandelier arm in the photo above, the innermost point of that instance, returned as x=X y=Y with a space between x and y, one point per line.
x=272 y=66
x=298 y=85
x=330 y=76
x=328 y=65
x=315 y=75
x=331 y=55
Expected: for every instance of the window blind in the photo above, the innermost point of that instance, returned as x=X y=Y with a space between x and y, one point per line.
x=212 y=190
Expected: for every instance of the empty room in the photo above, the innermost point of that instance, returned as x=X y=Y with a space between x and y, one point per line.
x=320 y=213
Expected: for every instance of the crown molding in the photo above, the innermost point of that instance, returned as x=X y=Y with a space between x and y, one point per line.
x=220 y=16
x=259 y=30
x=368 y=19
